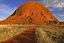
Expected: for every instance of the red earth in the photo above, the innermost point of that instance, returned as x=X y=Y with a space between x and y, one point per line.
x=27 y=36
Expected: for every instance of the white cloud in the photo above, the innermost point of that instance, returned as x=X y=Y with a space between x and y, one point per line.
x=5 y=11
x=60 y=5
x=54 y=3
x=2 y=19
x=62 y=16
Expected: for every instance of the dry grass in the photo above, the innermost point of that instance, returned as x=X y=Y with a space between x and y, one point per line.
x=44 y=33
x=50 y=34
x=9 y=31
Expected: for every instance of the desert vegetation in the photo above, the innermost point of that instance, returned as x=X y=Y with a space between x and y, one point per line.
x=44 y=33
x=10 y=31
x=50 y=34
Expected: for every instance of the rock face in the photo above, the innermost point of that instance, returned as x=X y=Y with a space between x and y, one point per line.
x=31 y=13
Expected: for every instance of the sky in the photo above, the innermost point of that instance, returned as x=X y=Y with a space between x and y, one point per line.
x=7 y=7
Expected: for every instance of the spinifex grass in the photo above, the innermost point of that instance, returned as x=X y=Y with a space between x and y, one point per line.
x=44 y=33
x=50 y=34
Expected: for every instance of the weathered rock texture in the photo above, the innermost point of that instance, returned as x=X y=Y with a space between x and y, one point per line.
x=31 y=13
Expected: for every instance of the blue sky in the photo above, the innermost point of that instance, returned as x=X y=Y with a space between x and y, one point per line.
x=7 y=7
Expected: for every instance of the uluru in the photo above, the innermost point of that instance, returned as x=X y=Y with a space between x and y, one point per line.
x=31 y=13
